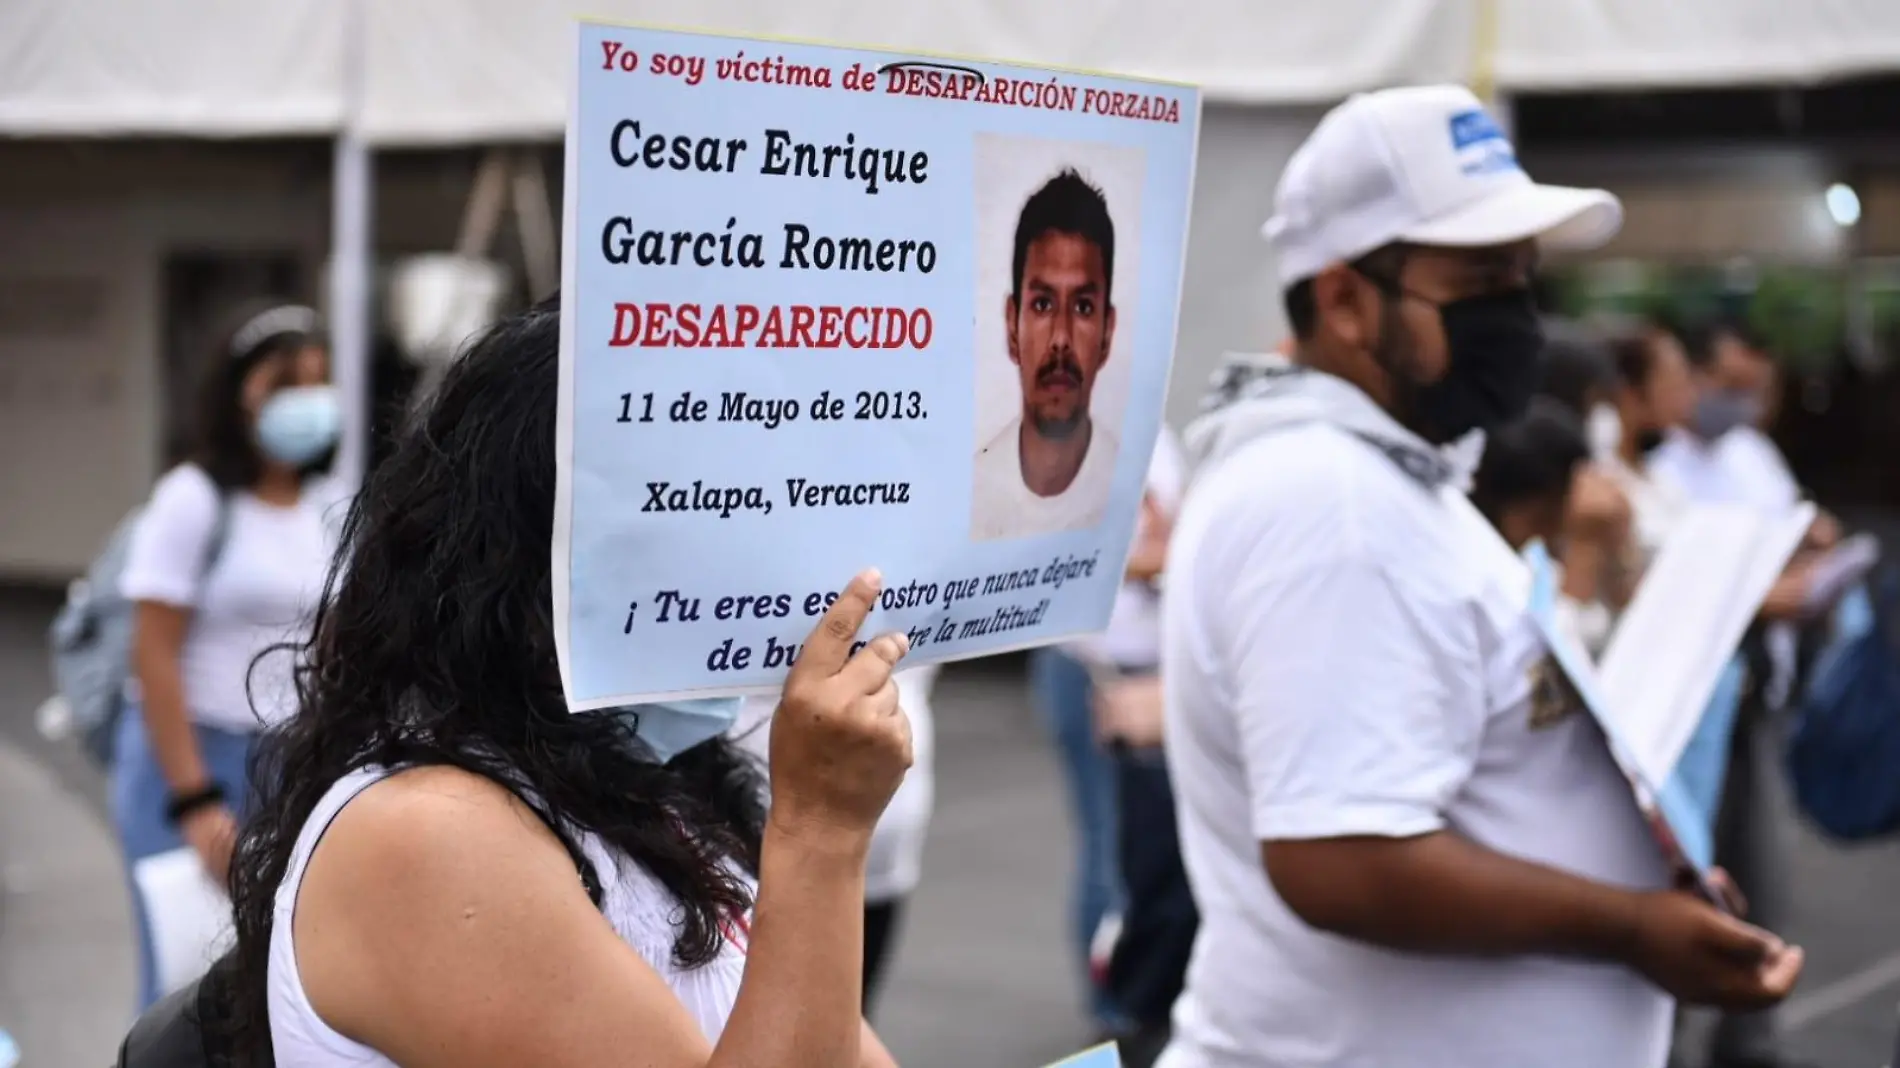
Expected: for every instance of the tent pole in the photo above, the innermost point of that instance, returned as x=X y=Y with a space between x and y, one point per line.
x=352 y=259
x=1487 y=25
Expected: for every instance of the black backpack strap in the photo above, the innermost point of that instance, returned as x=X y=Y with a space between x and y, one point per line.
x=220 y=533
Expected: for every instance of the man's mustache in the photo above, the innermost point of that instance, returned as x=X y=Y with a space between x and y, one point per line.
x=1060 y=366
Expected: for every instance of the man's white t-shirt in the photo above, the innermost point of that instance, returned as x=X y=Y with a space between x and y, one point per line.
x=261 y=590
x=1004 y=507
x=1347 y=652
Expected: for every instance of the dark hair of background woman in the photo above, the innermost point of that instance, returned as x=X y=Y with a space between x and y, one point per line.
x=1574 y=365
x=1529 y=460
x=1633 y=349
x=435 y=645
x=222 y=442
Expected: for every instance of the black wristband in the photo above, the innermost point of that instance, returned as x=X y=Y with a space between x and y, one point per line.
x=182 y=805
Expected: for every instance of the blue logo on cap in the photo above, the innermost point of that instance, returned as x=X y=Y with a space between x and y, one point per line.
x=1480 y=144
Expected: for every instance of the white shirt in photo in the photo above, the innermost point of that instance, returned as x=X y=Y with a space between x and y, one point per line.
x=1347 y=651
x=261 y=590
x=1004 y=507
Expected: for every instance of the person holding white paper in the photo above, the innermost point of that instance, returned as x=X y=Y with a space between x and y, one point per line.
x=1720 y=456
x=1400 y=857
x=453 y=869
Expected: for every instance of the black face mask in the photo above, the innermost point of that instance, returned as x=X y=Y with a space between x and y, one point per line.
x=1493 y=342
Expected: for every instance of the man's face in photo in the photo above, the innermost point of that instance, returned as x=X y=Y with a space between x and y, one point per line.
x=1059 y=331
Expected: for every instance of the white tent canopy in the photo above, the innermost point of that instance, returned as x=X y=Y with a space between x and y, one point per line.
x=470 y=71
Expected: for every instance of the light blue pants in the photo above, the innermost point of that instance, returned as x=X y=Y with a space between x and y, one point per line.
x=1063 y=694
x=139 y=796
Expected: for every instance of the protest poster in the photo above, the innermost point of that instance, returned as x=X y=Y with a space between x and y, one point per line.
x=1107 y=1055
x=826 y=309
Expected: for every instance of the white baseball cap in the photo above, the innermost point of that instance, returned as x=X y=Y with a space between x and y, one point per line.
x=1427 y=166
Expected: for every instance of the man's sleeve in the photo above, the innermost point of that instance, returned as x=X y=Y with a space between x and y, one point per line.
x=1360 y=706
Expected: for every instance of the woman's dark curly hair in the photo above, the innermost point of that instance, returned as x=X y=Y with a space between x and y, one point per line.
x=435 y=645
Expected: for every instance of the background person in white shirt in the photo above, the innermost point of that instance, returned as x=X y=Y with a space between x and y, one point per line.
x=1400 y=858
x=1051 y=468
x=1720 y=454
x=226 y=561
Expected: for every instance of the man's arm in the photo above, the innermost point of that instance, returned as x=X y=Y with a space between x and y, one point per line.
x=1361 y=708
x=1440 y=893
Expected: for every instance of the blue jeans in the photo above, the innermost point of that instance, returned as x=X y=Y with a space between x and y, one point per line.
x=139 y=797
x=1063 y=692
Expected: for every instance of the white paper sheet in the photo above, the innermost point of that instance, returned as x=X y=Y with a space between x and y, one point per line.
x=188 y=914
x=1697 y=599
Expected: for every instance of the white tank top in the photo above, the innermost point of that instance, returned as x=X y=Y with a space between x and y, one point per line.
x=633 y=901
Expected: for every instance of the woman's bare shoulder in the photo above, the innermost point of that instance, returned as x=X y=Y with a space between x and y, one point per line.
x=423 y=894
x=435 y=820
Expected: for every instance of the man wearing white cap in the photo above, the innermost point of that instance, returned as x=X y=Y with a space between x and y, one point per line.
x=1407 y=853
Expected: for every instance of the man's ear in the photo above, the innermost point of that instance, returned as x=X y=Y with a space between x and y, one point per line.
x=1340 y=299
x=1009 y=329
x=1108 y=334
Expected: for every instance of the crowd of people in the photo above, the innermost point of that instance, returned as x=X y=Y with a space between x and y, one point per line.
x=1390 y=844
x=1324 y=814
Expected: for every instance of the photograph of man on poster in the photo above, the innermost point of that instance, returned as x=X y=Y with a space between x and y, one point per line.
x=1051 y=467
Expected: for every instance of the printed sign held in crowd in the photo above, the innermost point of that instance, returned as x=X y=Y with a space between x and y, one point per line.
x=1107 y=1055
x=827 y=308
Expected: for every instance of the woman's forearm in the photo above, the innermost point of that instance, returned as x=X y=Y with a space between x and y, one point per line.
x=801 y=1001
x=167 y=724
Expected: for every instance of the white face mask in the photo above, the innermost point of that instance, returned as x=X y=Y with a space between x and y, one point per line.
x=1605 y=429
x=299 y=424
x=670 y=728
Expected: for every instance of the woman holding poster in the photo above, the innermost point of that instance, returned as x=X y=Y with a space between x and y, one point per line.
x=452 y=869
